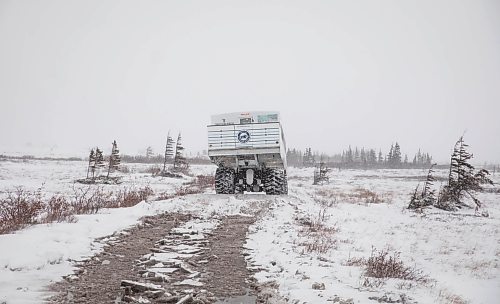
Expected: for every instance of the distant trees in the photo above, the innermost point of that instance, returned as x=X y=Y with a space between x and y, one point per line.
x=360 y=158
x=294 y=157
x=308 y=159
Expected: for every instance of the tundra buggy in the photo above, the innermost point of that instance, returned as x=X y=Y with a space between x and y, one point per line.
x=250 y=153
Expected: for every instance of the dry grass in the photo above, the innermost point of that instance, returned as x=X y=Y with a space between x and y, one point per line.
x=198 y=185
x=329 y=197
x=21 y=208
x=448 y=298
x=355 y=262
x=382 y=265
x=319 y=243
x=315 y=235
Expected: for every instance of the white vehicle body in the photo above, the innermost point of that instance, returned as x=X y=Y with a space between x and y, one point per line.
x=247 y=143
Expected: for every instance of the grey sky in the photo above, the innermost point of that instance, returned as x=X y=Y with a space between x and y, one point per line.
x=81 y=73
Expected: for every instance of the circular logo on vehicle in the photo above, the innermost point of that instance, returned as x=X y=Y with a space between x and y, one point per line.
x=243 y=137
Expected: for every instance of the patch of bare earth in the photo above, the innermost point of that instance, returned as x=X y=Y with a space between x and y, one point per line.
x=206 y=266
x=98 y=279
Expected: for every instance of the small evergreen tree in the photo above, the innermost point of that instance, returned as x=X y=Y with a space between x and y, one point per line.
x=390 y=156
x=380 y=157
x=99 y=160
x=149 y=152
x=180 y=163
x=396 y=156
x=91 y=167
x=427 y=197
x=169 y=151
x=462 y=181
x=114 y=158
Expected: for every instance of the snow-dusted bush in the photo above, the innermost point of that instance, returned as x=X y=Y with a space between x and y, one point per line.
x=381 y=264
x=20 y=208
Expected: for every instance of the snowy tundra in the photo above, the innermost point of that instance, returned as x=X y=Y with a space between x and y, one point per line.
x=313 y=243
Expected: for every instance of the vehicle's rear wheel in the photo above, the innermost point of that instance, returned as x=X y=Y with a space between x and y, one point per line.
x=274 y=182
x=285 y=184
x=224 y=181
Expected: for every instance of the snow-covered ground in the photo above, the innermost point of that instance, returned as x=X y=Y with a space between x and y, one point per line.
x=458 y=252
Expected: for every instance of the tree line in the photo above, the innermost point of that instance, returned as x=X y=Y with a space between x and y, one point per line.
x=360 y=158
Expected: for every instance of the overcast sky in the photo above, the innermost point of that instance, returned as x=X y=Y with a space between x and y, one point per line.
x=75 y=74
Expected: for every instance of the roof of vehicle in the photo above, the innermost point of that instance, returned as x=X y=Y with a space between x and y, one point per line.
x=245 y=117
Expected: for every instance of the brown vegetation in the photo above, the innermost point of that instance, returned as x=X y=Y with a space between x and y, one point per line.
x=358 y=195
x=317 y=237
x=22 y=208
x=383 y=265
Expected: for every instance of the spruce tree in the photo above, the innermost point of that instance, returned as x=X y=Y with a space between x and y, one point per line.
x=169 y=151
x=99 y=160
x=91 y=167
x=390 y=156
x=462 y=181
x=380 y=157
x=396 y=156
x=427 y=197
x=149 y=152
x=308 y=159
x=114 y=158
x=180 y=163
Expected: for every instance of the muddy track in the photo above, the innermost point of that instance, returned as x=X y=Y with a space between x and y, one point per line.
x=98 y=279
x=205 y=265
x=226 y=274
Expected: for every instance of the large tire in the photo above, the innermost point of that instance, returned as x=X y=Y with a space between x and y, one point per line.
x=285 y=184
x=224 y=181
x=274 y=181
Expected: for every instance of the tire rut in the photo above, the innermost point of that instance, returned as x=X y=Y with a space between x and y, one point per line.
x=98 y=279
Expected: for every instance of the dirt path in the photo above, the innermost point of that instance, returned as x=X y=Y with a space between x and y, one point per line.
x=226 y=274
x=99 y=278
x=196 y=264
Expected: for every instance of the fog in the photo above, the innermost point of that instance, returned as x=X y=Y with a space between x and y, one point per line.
x=76 y=74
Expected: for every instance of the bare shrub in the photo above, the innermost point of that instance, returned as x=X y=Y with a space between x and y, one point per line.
x=317 y=236
x=355 y=262
x=367 y=196
x=19 y=208
x=327 y=197
x=130 y=197
x=124 y=169
x=58 y=210
x=319 y=243
x=383 y=265
x=195 y=186
x=153 y=170
x=88 y=200
x=202 y=182
x=446 y=297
